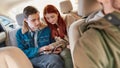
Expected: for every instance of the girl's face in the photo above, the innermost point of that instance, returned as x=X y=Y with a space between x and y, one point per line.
x=51 y=18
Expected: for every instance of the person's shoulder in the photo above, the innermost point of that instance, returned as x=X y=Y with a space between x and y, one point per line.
x=19 y=30
x=47 y=28
x=42 y=26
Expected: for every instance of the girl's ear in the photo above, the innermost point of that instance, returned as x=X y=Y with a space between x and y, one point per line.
x=57 y=13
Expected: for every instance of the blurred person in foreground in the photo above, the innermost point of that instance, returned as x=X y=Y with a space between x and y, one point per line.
x=99 y=45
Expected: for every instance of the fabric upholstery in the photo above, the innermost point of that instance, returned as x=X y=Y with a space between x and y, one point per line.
x=13 y=57
x=68 y=15
x=66 y=6
x=70 y=18
x=11 y=40
x=20 y=18
x=86 y=7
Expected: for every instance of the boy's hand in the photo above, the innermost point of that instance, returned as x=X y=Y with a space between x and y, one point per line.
x=44 y=48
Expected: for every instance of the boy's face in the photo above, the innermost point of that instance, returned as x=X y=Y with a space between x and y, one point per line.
x=33 y=21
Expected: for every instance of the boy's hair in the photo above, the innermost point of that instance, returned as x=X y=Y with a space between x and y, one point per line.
x=29 y=10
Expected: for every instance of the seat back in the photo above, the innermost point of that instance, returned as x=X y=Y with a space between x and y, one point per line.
x=67 y=13
x=86 y=7
x=11 y=40
x=66 y=6
x=13 y=57
x=20 y=18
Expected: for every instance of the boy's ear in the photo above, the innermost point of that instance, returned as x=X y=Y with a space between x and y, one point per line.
x=25 y=20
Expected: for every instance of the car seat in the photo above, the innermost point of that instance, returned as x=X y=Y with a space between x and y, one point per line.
x=68 y=14
x=13 y=57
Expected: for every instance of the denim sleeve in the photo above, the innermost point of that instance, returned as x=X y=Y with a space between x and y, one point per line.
x=29 y=51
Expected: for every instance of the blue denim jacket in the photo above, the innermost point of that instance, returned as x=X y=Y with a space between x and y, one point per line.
x=25 y=41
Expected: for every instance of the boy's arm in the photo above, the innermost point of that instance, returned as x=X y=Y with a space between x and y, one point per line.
x=29 y=51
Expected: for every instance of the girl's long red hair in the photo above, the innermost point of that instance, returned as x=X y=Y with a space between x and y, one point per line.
x=61 y=23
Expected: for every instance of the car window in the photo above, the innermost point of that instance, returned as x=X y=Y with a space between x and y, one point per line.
x=5 y=21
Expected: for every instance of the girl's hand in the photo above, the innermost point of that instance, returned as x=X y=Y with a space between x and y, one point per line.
x=68 y=46
x=58 y=50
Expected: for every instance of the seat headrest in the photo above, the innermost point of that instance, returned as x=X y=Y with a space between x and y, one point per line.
x=86 y=7
x=66 y=6
x=20 y=18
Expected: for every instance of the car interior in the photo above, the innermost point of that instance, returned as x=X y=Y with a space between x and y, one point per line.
x=73 y=12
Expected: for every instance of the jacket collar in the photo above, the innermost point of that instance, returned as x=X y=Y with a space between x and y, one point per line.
x=25 y=27
x=113 y=18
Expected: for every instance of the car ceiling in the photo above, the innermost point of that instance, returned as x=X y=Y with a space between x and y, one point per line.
x=10 y=8
x=5 y=5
